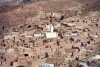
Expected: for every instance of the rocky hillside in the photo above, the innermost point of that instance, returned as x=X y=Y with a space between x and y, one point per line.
x=19 y=11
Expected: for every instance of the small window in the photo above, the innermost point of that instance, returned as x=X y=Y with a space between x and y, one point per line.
x=43 y=65
x=25 y=55
x=29 y=26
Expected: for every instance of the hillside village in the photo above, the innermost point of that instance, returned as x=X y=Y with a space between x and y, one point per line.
x=51 y=40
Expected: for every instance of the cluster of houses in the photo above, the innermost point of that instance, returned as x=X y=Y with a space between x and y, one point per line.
x=51 y=44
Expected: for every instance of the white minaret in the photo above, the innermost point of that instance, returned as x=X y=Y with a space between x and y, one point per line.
x=51 y=28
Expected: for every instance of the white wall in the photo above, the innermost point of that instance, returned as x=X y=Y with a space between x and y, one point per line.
x=47 y=65
x=51 y=34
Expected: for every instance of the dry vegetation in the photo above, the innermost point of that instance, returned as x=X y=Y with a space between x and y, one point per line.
x=16 y=15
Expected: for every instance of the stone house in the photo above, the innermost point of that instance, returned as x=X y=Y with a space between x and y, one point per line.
x=15 y=64
x=14 y=34
x=38 y=42
x=55 y=61
x=22 y=61
x=59 y=54
x=69 y=52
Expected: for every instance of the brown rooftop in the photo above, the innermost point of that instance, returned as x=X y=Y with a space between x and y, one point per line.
x=69 y=50
x=54 y=60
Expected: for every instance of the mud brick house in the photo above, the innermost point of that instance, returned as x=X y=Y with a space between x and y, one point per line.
x=59 y=54
x=38 y=42
x=15 y=64
x=70 y=54
x=54 y=61
x=14 y=34
x=22 y=61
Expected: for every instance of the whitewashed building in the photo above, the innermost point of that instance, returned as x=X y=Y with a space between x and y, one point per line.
x=47 y=65
x=51 y=28
x=48 y=27
x=96 y=57
x=8 y=37
x=74 y=34
x=38 y=35
x=51 y=34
